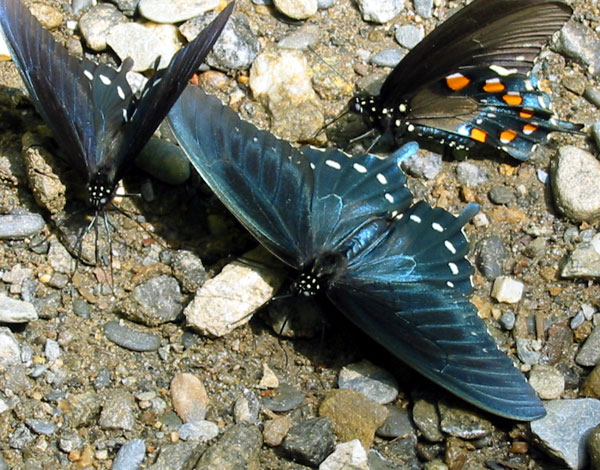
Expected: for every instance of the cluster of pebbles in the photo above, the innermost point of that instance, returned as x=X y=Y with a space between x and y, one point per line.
x=157 y=363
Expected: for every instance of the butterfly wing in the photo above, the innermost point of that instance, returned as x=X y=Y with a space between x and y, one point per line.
x=409 y=294
x=55 y=81
x=505 y=33
x=165 y=86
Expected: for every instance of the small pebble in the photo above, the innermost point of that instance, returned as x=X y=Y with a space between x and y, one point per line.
x=20 y=438
x=16 y=311
x=378 y=11
x=388 y=57
x=423 y=165
x=237 y=46
x=589 y=352
x=507 y=320
x=462 y=422
x=427 y=420
x=397 y=424
x=297 y=9
x=10 y=352
x=507 y=289
x=51 y=350
x=576 y=184
x=370 y=380
x=310 y=441
x=583 y=261
x=492 y=254
x=424 y=8
x=40 y=426
x=18 y=226
x=409 y=36
x=237 y=448
x=501 y=194
x=200 y=431
x=189 y=396
x=276 y=429
x=129 y=338
x=118 y=411
x=246 y=408
x=269 y=379
x=301 y=39
x=529 y=350
x=346 y=456
x=470 y=174
x=547 y=381
x=284 y=398
x=577 y=321
x=130 y=455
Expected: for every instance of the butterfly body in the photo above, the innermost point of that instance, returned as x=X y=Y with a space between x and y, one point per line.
x=467 y=85
x=347 y=226
x=90 y=108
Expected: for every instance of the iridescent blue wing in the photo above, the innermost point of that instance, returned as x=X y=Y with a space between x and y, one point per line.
x=409 y=294
x=296 y=202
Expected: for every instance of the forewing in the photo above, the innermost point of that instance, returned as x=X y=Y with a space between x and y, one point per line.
x=264 y=181
x=409 y=294
x=166 y=85
x=506 y=33
x=54 y=79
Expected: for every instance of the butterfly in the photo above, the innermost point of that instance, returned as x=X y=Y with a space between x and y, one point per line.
x=347 y=228
x=466 y=84
x=98 y=123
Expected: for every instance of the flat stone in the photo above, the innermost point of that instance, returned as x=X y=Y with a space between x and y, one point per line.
x=118 y=411
x=388 y=57
x=135 y=340
x=576 y=184
x=19 y=226
x=589 y=353
x=189 y=396
x=16 y=311
x=237 y=448
x=174 y=11
x=229 y=299
x=563 y=432
x=492 y=253
x=301 y=39
x=353 y=415
x=198 y=431
x=181 y=455
x=409 y=35
x=426 y=418
x=462 y=422
x=547 y=381
x=284 y=398
x=397 y=424
x=130 y=455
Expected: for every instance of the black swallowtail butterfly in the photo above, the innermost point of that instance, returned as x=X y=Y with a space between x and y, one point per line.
x=347 y=227
x=96 y=120
x=466 y=83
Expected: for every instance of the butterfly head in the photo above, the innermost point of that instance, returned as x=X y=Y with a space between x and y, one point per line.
x=100 y=191
x=318 y=275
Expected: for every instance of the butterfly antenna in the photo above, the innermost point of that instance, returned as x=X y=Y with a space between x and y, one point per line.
x=107 y=225
x=345 y=111
x=363 y=136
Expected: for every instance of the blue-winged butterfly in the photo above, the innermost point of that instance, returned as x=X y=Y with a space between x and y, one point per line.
x=346 y=227
x=95 y=118
x=466 y=84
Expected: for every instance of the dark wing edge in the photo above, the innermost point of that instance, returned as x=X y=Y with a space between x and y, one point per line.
x=264 y=181
x=166 y=85
x=54 y=80
x=410 y=296
x=505 y=33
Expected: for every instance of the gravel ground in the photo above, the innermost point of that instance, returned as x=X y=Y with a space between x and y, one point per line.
x=109 y=367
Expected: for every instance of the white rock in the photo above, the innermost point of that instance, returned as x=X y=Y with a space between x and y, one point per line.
x=269 y=379
x=379 y=11
x=175 y=11
x=144 y=43
x=229 y=299
x=346 y=456
x=297 y=9
x=16 y=311
x=9 y=348
x=507 y=289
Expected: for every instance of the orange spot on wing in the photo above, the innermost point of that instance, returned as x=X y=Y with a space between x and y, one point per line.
x=507 y=136
x=457 y=81
x=526 y=114
x=512 y=100
x=478 y=135
x=529 y=128
x=493 y=87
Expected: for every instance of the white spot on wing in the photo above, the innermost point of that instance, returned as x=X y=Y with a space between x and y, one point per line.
x=381 y=178
x=450 y=247
x=88 y=75
x=415 y=218
x=453 y=268
x=120 y=92
x=333 y=164
x=104 y=79
x=437 y=227
x=389 y=198
x=360 y=168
